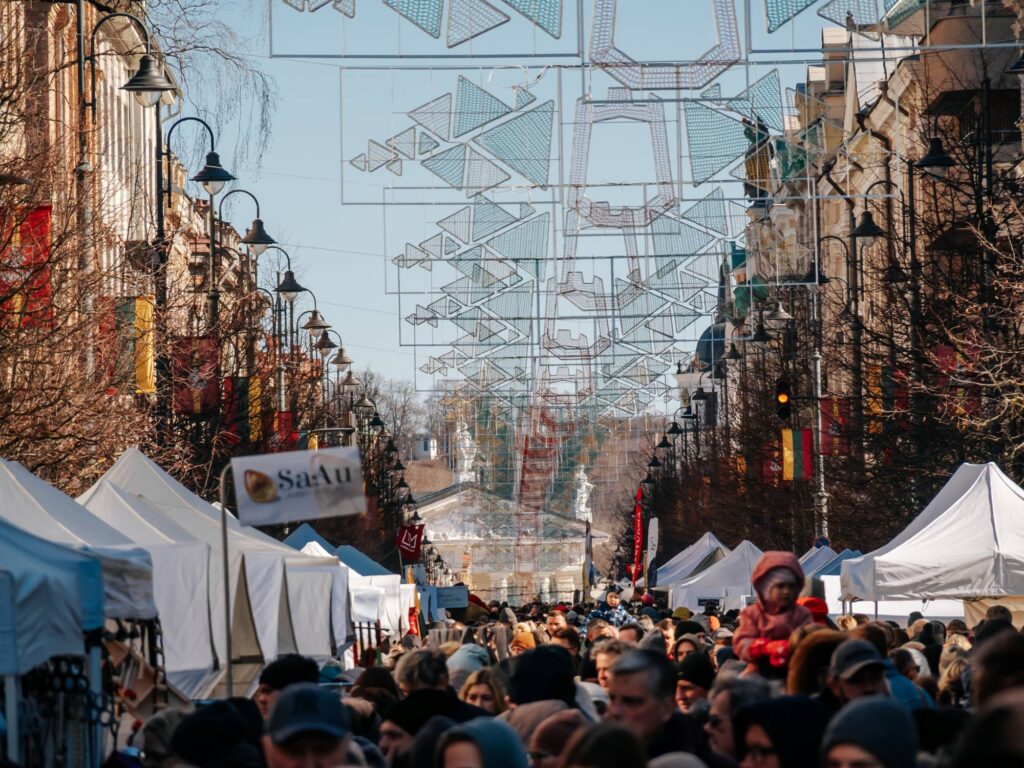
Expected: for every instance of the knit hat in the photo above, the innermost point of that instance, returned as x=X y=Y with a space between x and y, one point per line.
x=696 y=668
x=543 y=673
x=682 y=613
x=288 y=670
x=526 y=717
x=211 y=733
x=499 y=745
x=817 y=607
x=157 y=733
x=877 y=725
x=555 y=730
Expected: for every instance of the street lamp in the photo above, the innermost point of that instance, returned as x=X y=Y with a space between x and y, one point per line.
x=936 y=160
x=149 y=82
x=324 y=345
x=316 y=324
x=289 y=287
x=867 y=231
x=778 y=317
x=256 y=237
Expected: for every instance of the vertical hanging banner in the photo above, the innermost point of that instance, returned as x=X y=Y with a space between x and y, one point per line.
x=408 y=541
x=835 y=420
x=286 y=487
x=797 y=463
x=638 y=535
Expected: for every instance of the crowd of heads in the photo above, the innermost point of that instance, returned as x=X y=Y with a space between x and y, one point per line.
x=626 y=682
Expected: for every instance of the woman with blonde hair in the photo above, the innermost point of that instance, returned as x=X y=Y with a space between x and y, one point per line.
x=485 y=688
x=951 y=689
x=846 y=622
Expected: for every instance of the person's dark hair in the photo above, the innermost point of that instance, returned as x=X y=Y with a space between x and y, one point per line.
x=873 y=634
x=999 y=612
x=635 y=627
x=861 y=618
x=661 y=673
x=570 y=635
x=999 y=666
x=995 y=737
x=426 y=667
x=542 y=673
x=903 y=660
x=378 y=677
x=288 y=670
x=603 y=746
x=381 y=699
x=991 y=629
x=743 y=692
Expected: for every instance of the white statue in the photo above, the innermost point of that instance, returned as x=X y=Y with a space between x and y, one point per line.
x=581 y=505
x=465 y=454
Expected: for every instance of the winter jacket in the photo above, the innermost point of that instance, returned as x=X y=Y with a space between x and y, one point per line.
x=763 y=619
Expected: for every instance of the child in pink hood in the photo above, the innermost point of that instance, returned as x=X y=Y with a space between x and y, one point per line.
x=777 y=579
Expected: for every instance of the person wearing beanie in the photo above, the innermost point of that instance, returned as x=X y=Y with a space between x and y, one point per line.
x=690 y=627
x=817 y=607
x=279 y=674
x=873 y=731
x=696 y=676
x=485 y=742
x=550 y=737
x=522 y=642
x=541 y=674
x=156 y=738
x=780 y=733
x=214 y=735
x=777 y=579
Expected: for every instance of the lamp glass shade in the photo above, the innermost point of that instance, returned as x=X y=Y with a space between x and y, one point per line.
x=256 y=237
x=149 y=82
x=700 y=394
x=351 y=382
x=324 y=345
x=936 y=160
x=778 y=317
x=341 y=360
x=365 y=406
x=867 y=231
x=213 y=177
x=289 y=287
x=316 y=325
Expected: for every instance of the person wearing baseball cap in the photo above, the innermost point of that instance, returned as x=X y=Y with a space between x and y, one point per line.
x=309 y=727
x=856 y=671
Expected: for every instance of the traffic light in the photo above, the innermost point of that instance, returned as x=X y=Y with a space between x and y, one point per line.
x=783 y=399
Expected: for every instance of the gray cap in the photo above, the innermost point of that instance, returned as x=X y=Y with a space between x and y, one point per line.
x=307 y=708
x=851 y=656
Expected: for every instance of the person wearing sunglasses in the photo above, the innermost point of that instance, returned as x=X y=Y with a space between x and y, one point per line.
x=781 y=733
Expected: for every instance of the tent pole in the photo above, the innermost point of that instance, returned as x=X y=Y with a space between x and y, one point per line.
x=11 y=701
x=227 y=576
x=96 y=691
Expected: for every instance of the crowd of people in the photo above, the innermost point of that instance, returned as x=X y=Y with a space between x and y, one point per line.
x=781 y=684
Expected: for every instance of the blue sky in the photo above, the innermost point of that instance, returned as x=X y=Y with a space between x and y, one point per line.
x=343 y=252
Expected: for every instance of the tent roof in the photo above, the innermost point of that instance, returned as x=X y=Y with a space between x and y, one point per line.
x=812 y=562
x=832 y=567
x=362 y=564
x=728 y=577
x=685 y=563
x=968 y=542
x=40 y=509
x=49 y=594
x=303 y=535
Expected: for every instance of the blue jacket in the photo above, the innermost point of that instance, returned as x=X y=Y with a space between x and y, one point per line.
x=904 y=691
x=616 y=616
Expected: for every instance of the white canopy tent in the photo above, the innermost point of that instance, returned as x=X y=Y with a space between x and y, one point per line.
x=967 y=543
x=728 y=581
x=50 y=595
x=265 y=607
x=181 y=581
x=683 y=565
x=40 y=509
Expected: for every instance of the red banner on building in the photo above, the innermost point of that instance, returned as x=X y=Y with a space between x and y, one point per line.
x=638 y=535
x=25 y=287
x=408 y=541
x=835 y=426
x=194 y=373
x=771 y=464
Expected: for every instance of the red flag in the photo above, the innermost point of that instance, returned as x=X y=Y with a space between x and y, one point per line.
x=408 y=540
x=771 y=464
x=638 y=534
x=194 y=373
x=25 y=276
x=835 y=420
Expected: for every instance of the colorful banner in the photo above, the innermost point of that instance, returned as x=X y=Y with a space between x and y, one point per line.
x=125 y=355
x=797 y=462
x=835 y=425
x=771 y=465
x=638 y=534
x=408 y=541
x=25 y=287
x=274 y=488
x=194 y=363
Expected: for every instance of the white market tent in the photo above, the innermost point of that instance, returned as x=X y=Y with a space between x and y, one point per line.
x=685 y=563
x=968 y=543
x=181 y=564
x=50 y=595
x=269 y=617
x=38 y=508
x=728 y=580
